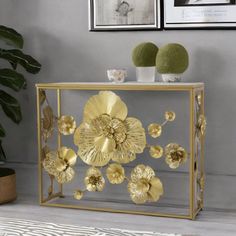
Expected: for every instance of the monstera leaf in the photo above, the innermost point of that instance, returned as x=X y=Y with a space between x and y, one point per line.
x=2 y=153
x=11 y=37
x=10 y=106
x=15 y=57
x=2 y=132
x=12 y=79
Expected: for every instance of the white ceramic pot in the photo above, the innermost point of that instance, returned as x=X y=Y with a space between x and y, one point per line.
x=146 y=74
x=171 y=78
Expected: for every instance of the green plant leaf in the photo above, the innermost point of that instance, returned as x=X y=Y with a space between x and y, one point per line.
x=2 y=153
x=10 y=106
x=12 y=79
x=11 y=37
x=2 y=132
x=15 y=57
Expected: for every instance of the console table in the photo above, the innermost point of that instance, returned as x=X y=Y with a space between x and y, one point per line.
x=52 y=193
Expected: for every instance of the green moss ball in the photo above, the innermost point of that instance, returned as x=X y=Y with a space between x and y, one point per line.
x=144 y=54
x=172 y=59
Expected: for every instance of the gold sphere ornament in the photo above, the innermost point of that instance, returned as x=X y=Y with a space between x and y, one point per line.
x=155 y=130
x=170 y=115
x=115 y=173
x=175 y=155
x=156 y=151
x=144 y=186
x=106 y=132
x=78 y=194
x=94 y=180
x=66 y=125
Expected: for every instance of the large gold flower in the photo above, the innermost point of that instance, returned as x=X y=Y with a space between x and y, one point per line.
x=115 y=173
x=106 y=133
x=59 y=164
x=94 y=180
x=144 y=186
x=175 y=155
x=66 y=125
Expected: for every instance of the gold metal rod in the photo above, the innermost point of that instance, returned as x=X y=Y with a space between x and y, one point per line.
x=40 y=174
x=117 y=211
x=191 y=164
x=59 y=135
x=55 y=195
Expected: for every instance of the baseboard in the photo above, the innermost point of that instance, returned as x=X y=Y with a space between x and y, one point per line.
x=220 y=189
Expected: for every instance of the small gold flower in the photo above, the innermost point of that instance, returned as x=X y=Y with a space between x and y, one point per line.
x=201 y=125
x=154 y=130
x=144 y=186
x=66 y=125
x=175 y=155
x=78 y=194
x=170 y=116
x=156 y=151
x=94 y=180
x=59 y=164
x=115 y=173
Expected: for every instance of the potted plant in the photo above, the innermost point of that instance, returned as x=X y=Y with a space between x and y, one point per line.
x=172 y=61
x=144 y=58
x=10 y=78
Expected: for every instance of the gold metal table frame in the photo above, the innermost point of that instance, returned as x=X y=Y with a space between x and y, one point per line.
x=195 y=91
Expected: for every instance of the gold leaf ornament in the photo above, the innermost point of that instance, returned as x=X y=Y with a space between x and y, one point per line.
x=144 y=186
x=42 y=96
x=106 y=132
x=48 y=122
x=59 y=164
x=201 y=125
x=66 y=125
x=175 y=155
x=115 y=173
x=94 y=181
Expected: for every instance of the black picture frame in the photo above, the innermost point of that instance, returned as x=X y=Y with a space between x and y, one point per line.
x=94 y=26
x=212 y=15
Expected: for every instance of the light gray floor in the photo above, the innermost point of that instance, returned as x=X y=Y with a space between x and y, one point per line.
x=208 y=222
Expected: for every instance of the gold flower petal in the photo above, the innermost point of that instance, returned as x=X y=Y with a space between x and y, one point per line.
x=156 y=151
x=155 y=130
x=104 y=144
x=156 y=189
x=106 y=102
x=115 y=173
x=49 y=163
x=170 y=115
x=66 y=125
x=142 y=172
x=78 y=194
x=122 y=156
x=65 y=176
x=68 y=156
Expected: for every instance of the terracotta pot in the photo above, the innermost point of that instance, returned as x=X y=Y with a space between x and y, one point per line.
x=7 y=185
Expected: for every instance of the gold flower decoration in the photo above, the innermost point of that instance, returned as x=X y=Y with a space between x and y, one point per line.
x=48 y=122
x=59 y=164
x=155 y=130
x=170 y=115
x=78 y=194
x=144 y=186
x=156 y=151
x=201 y=125
x=106 y=132
x=94 y=180
x=115 y=173
x=175 y=155
x=66 y=125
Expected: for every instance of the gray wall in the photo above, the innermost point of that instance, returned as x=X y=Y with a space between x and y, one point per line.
x=56 y=33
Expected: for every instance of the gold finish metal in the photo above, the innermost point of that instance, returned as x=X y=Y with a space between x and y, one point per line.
x=66 y=125
x=170 y=116
x=156 y=151
x=155 y=130
x=115 y=173
x=192 y=89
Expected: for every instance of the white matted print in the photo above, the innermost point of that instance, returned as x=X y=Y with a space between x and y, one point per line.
x=124 y=14
x=199 y=13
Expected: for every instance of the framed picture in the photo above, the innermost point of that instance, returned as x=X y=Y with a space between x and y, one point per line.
x=199 y=14
x=124 y=15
